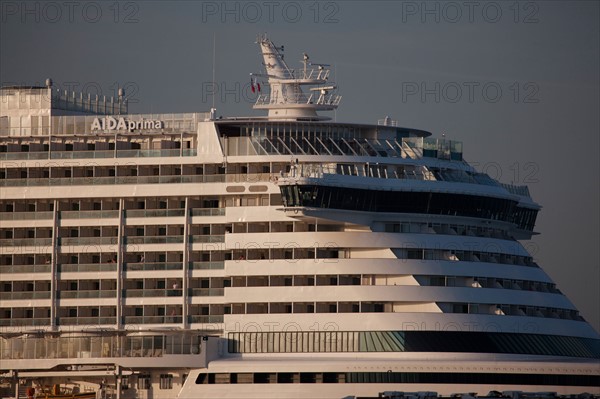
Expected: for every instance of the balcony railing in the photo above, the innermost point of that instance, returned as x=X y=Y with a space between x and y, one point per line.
x=206 y=291
x=174 y=266
x=25 y=269
x=154 y=240
x=207 y=238
x=207 y=265
x=87 y=294
x=26 y=215
x=205 y=319
x=146 y=213
x=146 y=293
x=153 y=266
x=88 y=267
x=65 y=241
x=97 y=154
x=152 y=319
x=89 y=214
x=208 y=212
x=24 y=322
x=24 y=295
x=110 y=180
x=85 y=321
x=25 y=242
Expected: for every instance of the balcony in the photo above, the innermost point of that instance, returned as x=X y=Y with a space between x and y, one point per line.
x=207 y=265
x=208 y=212
x=87 y=294
x=26 y=242
x=146 y=213
x=87 y=267
x=26 y=215
x=206 y=291
x=154 y=240
x=153 y=266
x=97 y=154
x=207 y=238
x=151 y=293
x=205 y=319
x=4 y=296
x=25 y=269
x=151 y=319
x=109 y=180
x=66 y=241
x=85 y=321
x=25 y=322
x=89 y=214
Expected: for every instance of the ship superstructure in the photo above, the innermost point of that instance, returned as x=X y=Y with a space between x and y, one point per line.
x=180 y=255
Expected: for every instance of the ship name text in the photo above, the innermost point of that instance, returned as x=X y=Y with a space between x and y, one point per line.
x=110 y=123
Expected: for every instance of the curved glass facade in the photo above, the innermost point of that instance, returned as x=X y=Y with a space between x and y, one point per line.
x=353 y=199
x=413 y=341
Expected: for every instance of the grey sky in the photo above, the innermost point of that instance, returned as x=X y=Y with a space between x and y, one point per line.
x=518 y=83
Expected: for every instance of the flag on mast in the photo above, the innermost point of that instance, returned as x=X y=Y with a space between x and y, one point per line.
x=254 y=85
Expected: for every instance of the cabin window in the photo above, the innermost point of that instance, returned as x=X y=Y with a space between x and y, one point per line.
x=166 y=381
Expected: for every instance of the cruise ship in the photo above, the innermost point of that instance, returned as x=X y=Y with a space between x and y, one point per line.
x=283 y=255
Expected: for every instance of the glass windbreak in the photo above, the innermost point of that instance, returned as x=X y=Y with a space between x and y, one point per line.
x=435 y=148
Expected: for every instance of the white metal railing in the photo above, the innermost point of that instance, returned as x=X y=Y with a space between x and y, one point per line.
x=315 y=73
x=321 y=171
x=387 y=121
x=322 y=99
x=518 y=190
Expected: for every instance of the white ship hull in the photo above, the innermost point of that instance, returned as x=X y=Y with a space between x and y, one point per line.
x=184 y=256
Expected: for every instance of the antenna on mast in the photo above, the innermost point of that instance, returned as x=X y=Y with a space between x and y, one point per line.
x=214 y=70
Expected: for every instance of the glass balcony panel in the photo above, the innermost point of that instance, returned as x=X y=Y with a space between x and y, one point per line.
x=24 y=242
x=89 y=321
x=88 y=294
x=25 y=322
x=153 y=266
x=88 y=267
x=205 y=319
x=154 y=240
x=151 y=319
x=89 y=214
x=26 y=215
x=208 y=212
x=25 y=269
x=149 y=293
x=206 y=291
x=188 y=152
x=208 y=238
x=24 y=295
x=207 y=265
x=138 y=213
x=64 y=241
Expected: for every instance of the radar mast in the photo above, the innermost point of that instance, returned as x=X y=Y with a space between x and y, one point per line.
x=285 y=99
